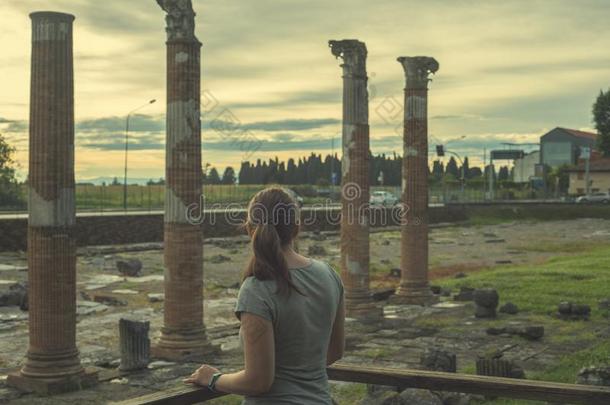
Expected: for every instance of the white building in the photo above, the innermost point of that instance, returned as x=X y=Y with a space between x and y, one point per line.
x=525 y=167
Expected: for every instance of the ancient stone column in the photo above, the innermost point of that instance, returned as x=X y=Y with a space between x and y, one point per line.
x=52 y=362
x=183 y=333
x=355 y=179
x=414 y=288
x=134 y=344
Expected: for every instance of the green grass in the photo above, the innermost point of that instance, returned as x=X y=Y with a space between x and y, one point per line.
x=347 y=393
x=91 y=197
x=538 y=288
x=569 y=365
x=566 y=370
x=564 y=247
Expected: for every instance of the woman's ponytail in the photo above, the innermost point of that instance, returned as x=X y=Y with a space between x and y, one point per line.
x=272 y=225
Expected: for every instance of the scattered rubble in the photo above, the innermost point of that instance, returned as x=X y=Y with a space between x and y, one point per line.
x=497 y=366
x=14 y=295
x=129 y=267
x=438 y=360
x=528 y=332
x=156 y=297
x=594 y=376
x=486 y=301
x=509 y=308
x=574 y=312
x=465 y=294
x=109 y=300
x=219 y=258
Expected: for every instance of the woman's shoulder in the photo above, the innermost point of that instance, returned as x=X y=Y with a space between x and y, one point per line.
x=326 y=268
x=254 y=284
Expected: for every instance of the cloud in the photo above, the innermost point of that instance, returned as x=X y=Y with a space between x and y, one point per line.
x=137 y=123
x=16 y=126
x=291 y=124
x=268 y=61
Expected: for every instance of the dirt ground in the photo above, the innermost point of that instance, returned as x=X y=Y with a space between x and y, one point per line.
x=397 y=341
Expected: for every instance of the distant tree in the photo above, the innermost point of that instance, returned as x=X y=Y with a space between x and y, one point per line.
x=9 y=187
x=452 y=168
x=437 y=169
x=291 y=172
x=245 y=173
x=465 y=169
x=115 y=182
x=475 y=172
x=503 y=174
x=601 y=118
x=228 y=177
x=213 y=177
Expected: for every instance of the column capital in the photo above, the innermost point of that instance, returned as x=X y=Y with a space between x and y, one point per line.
x=353 y=53
x=52 y=16
x=51 y=26
x=417 y=70
x=180 y=20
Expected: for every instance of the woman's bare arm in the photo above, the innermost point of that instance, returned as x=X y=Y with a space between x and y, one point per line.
x=259 y=354
x=336 y=345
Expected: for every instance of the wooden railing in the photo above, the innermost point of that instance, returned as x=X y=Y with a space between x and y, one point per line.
x=450 y=382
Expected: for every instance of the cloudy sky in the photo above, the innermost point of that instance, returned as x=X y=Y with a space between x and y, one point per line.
x=509 y=71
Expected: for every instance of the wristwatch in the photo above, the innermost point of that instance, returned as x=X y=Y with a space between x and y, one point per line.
x=212 y=383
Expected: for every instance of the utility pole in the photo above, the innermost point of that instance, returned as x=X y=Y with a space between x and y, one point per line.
x=332 y=163
x=586 y=154
x=491 y=178
x=127 y=149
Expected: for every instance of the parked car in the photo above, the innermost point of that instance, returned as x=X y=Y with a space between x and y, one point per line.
x=295 y=196
x=383 y=198
x=603 y=198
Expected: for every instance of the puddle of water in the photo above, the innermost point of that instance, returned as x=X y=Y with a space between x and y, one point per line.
x=104 y=279
x=125 y=291
x=10 y=267
x=448 y=304
x=145 y=279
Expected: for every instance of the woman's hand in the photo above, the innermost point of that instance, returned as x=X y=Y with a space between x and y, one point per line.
x=202 y=375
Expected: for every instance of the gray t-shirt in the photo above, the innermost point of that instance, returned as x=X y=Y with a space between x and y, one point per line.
x=302 y=327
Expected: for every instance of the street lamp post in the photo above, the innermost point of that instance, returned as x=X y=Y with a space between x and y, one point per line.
x=127 y=148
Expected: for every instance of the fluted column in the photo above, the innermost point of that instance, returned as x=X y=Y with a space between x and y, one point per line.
x=183 y=333
x=355 y=254
x=52 y=362
x=414 y=287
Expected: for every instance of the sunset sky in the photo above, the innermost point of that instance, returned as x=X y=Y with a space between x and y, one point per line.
x=509 y=71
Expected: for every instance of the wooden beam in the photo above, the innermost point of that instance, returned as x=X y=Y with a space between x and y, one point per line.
x=473 y=384
x=437 y=381
x=181 y=395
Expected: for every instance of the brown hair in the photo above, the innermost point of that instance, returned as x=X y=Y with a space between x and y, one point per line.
x=272 y=223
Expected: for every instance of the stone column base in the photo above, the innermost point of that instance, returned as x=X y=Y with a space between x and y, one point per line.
x=53 y=386
x=183 y=346
x=414 y=296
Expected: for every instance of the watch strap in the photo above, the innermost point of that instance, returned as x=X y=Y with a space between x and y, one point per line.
x=212 y=383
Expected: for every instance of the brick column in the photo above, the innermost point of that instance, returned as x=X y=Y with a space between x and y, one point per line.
x=52 y=362
x=355 y=179
x=414 y=288
x=183 y=334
